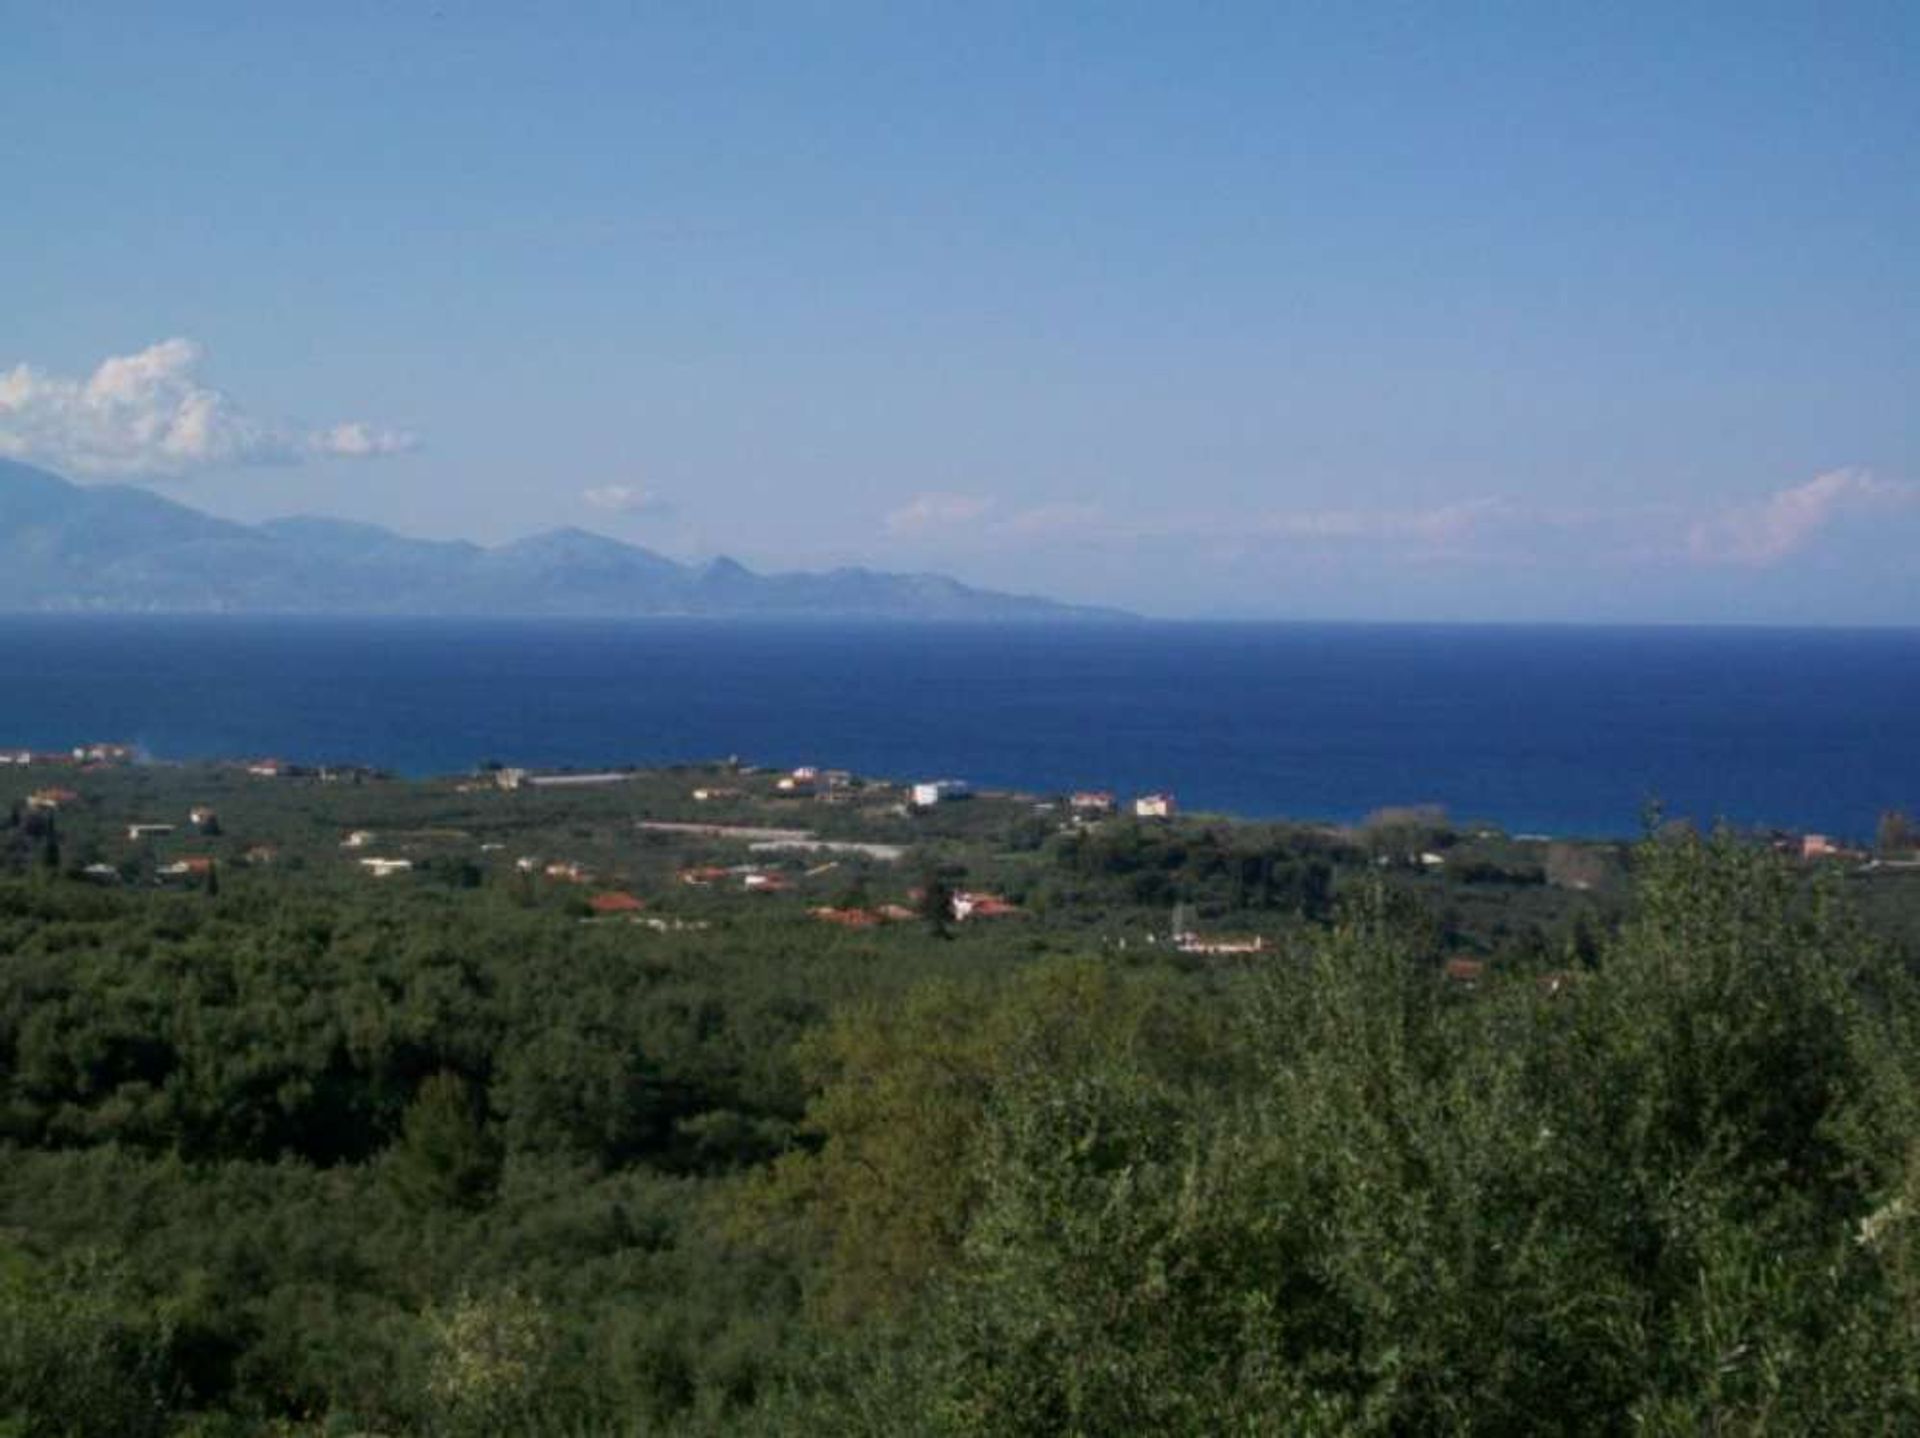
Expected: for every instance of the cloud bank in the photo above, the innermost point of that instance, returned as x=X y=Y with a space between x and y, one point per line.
x=1757 y=534
x=625 y=499
x=1787 y=521
x=932 y=513
x=149 y=414
x=978 y=517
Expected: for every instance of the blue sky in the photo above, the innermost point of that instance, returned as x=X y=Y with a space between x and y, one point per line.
x=1485 y=311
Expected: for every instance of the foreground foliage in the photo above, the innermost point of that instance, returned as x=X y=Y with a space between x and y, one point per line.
x=440 y=1165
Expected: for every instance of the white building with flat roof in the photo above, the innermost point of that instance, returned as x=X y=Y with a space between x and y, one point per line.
x=930 y=792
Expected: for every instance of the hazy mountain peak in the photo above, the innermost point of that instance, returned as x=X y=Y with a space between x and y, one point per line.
x=115 y=548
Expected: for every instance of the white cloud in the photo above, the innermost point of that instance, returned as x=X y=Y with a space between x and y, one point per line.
x=1492 y=530
x=1059 y=521
x=356 y=439
x=1438 y=528
x=149 y=414
x=980 y=520
x=625 y=499
x=926 y=513
x=1788 y=520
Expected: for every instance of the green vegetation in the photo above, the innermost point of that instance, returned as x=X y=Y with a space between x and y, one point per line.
x=1485 y=1135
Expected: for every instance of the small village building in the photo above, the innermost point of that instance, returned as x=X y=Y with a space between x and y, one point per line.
x=1465 y=972
x=100 y=874
x=569 y=871
x=966 y=905
x=196 y=867
x=703 y=877
x=763 y=883
x=847 y=918
x=1091 y=803
x=592 y=780
x=266 y=768
x=714 y=795
x=203 y=817
x=1220 y=945
x=612 y=904
x=350 y=774
x=1155 y=806
x=386 y=868
x=1818 y=846
x=929 y=793
x=50 y=799
x=137 y=832
x=358 y=839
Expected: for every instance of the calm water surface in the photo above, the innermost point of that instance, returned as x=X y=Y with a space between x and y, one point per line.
x=1552 y=729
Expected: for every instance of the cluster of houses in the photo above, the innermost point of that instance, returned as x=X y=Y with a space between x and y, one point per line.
x=1087 y=805
x=84 y=756
x=962 y=907
x=811 y=781
x=325 y=773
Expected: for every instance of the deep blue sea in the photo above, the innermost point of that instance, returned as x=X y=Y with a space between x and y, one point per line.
x=1558 y=730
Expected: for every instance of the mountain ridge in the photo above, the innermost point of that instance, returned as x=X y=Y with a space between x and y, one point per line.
x=69 y=548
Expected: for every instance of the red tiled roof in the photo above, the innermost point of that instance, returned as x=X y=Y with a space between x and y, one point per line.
x=848 y=918
x=616 y=904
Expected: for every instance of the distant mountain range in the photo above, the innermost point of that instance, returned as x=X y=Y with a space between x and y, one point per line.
x=120 y=549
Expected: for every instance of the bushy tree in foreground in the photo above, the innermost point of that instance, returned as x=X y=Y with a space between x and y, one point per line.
x=1673 y=1194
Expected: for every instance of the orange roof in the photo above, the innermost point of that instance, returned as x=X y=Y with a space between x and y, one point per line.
x=615 y=904
x=1465 y=971
x=848 y=918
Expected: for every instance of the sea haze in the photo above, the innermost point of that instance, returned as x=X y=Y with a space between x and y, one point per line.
x=1548 y=729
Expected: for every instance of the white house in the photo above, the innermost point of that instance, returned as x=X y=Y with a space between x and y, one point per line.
x=931 y=792
x=1154 y=806
x=386 y=868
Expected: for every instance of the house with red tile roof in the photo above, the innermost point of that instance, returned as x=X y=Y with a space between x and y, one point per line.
x=616 y=903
